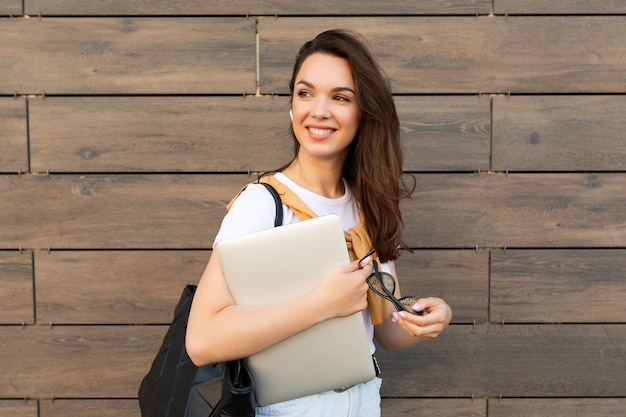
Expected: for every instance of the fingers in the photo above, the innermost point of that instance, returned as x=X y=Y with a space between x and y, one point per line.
x=436 y=318
x=365 y=261
x=358 y=270
x=345 y=289
x=363 y=264
x=424 y=332
x=417 y=326
x=436 y=308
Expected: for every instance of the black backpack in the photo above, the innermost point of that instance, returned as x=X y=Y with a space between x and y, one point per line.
x=175 y=387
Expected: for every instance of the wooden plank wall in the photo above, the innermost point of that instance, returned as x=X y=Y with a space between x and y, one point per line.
x=125 y=127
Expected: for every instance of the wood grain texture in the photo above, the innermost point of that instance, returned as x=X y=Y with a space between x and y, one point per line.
x=76 y=361
x=557 y=133
x=539 y=361
x=160 y=134
x=540 y=54
x=230 y=134
x=559 y=6
x=18 y=408
x=114 y=287
x=579 y=286
x=557 y=407
x=517 y=210
x=184 y=211
x=16 y=288
x=114 y=211
x=100 y=287
x=255 y=7
x=444 y=133
x=127 y=56
x=90 y=408
x=515 y=361
x=13 y=139
x=459 y=277
x=418 y=407
x=149 y=116
x=10 y=8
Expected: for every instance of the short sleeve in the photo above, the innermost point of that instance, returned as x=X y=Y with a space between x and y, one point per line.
x=253 y=210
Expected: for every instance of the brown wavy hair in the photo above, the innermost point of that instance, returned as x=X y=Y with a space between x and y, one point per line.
x=373 y=168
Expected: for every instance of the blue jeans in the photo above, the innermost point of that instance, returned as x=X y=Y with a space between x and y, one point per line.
x=362 y=400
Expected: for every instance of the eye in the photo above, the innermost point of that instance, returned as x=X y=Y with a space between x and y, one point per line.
x=342 y=98
x=304 y=93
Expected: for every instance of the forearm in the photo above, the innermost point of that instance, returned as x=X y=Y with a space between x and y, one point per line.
x=238 y=331
x=219 y=330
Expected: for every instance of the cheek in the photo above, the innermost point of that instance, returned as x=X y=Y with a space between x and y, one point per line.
x=349 y=118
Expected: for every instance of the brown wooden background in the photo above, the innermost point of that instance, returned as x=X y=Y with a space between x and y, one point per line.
x=126 y=125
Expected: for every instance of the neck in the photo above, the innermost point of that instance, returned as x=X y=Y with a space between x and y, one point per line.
x=319 y=177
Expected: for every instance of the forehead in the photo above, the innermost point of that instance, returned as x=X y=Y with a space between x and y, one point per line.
x=323 y=69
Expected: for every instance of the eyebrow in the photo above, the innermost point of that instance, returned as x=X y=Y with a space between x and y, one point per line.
x=334 y=90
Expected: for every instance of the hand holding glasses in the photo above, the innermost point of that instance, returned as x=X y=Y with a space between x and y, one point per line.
x=384 y=284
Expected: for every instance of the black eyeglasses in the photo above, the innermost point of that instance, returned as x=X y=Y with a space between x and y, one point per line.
x=384 y=284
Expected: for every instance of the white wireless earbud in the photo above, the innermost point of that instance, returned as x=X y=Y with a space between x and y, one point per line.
x=291 y=115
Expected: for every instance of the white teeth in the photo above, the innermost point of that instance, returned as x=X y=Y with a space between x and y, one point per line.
x=320 y=131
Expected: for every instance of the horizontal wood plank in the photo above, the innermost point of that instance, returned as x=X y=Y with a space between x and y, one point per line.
x=557 y=407
x=517 y=210
x=89 y=408
x=419 y=407
x=18 y=408
x=128 y=56
x=559 y=6
x=194 y=134
x=156 y=134
x=108 y=287
x=76 y=361
x=255 y=7
x=539 y=361
x=572 y=133
x=444 y=133
x=487 y=361
x=16 y=288
x=541 y=54
x=580 y=286
x=13 y=142
x=461 y=278
x=184 y=211
x=114 y=211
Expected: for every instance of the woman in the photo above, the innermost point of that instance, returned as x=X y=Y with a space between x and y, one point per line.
x=348 y=162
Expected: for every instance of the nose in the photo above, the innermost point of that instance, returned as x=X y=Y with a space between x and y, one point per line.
x=320 y=109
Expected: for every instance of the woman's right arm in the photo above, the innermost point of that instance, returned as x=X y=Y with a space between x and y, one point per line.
x=218 y=330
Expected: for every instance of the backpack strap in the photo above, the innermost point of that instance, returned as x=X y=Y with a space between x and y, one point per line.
x=278 y=221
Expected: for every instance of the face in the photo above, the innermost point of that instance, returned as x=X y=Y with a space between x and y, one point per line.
x=325 y=110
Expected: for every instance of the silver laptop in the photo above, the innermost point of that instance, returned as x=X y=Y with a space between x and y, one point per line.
x=281 y=264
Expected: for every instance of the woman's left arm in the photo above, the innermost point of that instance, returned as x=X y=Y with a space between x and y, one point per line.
x=402 y=329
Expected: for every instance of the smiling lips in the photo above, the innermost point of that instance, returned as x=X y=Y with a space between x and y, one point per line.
x=320 y=132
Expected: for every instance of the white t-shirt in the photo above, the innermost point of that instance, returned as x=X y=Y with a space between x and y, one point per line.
x=254 y=210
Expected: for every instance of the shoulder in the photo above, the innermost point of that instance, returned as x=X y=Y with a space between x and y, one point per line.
x=253 y=193
x=253 y=210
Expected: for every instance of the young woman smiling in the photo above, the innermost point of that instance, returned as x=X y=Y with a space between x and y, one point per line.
x=347 y=161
